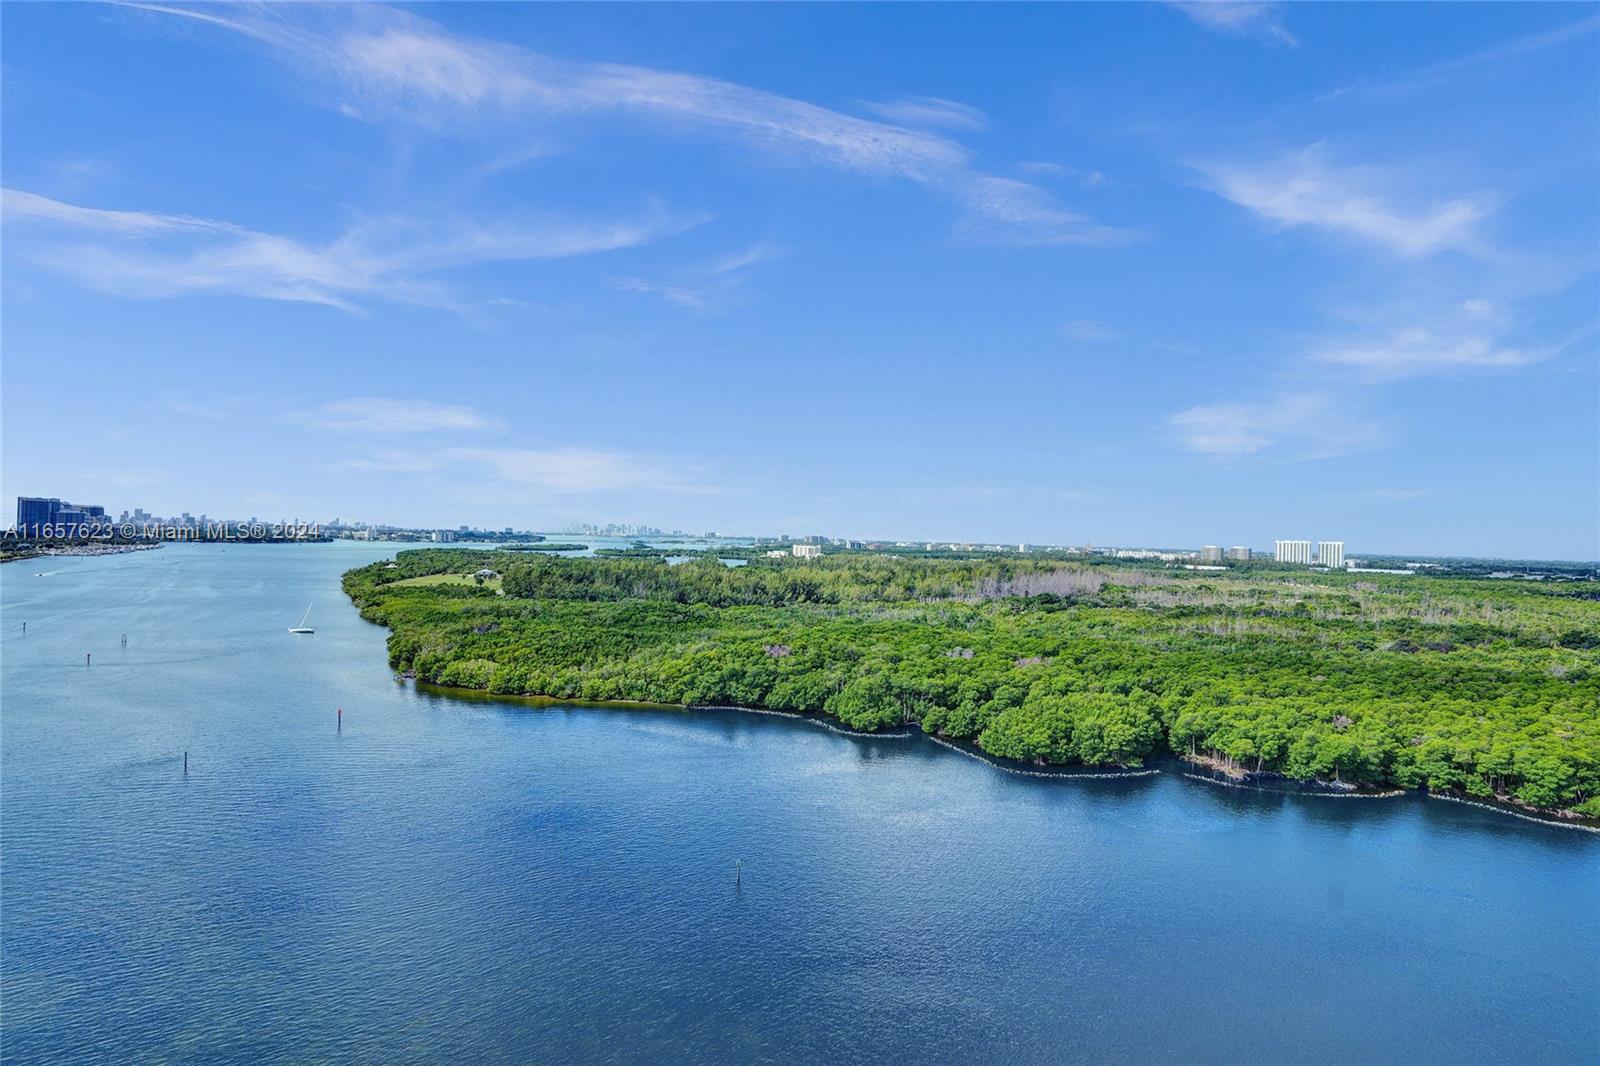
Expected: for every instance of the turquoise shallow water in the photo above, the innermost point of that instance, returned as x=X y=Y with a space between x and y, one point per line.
x=471 y=880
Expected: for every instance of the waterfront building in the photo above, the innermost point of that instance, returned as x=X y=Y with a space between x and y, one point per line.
x=1211 y=553
x=1292 y=551
x=1331 y=553
x=35 y=512
x=1239 y=554
x=808 y=551
x=45 y=516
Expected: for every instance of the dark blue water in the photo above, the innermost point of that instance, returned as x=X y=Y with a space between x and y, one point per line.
x=451 y=879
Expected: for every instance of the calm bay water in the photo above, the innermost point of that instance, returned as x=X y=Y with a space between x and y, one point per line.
x=471 y=880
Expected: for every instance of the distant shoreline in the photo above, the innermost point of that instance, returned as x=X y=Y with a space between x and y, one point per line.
x=76 y=549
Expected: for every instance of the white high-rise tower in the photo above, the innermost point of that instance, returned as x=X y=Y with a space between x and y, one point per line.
x=1331 y=553
x=1292 y=551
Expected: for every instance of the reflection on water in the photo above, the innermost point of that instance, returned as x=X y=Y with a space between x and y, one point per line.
x=444 y=878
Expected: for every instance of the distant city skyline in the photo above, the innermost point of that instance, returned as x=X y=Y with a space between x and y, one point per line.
x=1304 y=552
x=1046 y=273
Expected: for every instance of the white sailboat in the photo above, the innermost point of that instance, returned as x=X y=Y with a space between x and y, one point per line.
x=302 y=627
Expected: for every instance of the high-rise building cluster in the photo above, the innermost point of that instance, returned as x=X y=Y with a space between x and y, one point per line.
x=623 y=529
x=39 y=516
x=47 y=517
x=1330 y=553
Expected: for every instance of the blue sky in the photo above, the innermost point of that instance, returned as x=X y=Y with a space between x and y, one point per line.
x=1123 y=274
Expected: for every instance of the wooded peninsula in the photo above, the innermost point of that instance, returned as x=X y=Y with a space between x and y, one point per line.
x=1479 y=687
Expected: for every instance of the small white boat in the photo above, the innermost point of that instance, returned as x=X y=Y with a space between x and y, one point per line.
x=302 y=627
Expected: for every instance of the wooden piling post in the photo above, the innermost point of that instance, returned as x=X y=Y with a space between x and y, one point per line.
x=185 y=764
x=340 y=728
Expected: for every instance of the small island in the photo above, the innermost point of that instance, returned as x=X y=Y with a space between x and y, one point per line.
x=1463 y=686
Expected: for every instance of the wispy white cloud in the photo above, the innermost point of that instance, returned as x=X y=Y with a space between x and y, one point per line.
x=1085 y=178
x=574 y=470
x=1418 y=351
x=486 y=474
x=1302 y=189
x=1437 y=339
x=1441 y=72
x=1290 y=425
x=1399 y=495
x=389 y=461
x=214 y=406
x=392 y=65
x=703 y=286
x=17 y=204
x=1263 y=21
x=929 y=111
x=377 y=415
x=1087 y=329
x=1466 y=338
x=743 y=259
x=388 y=258
x=677 y=294
x=1008 y=211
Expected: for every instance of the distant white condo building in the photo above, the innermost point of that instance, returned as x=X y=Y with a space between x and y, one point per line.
x=1292 y=551
x=808 y=551
x=1331 y=553
x=1239 y=553
x=1211 y=553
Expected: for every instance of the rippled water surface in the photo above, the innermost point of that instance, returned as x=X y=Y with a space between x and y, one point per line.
x=480 y=881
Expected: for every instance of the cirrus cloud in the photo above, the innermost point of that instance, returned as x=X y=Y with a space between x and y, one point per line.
x=391 y=65
x=928 y=111
x=1290 y=425
x=1417 y=351
x=1304 y=189
x=375 y=415
x=146 y=254
x=523 y=474
x=1240 y=18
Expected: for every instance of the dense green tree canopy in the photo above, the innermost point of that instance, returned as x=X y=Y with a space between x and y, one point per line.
x=1488 y=687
